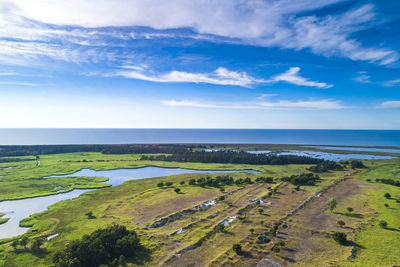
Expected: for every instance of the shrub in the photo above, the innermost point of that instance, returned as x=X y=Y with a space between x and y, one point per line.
x=340 y=237
x=276 y=248
x=387 y=195
x=350 y=209
x=260 y=210
x=177 y=190
x=386 y=205
x=90 y=215
x=192 y=182
x=169 y=183
x=281 y=243
x=221 y=198
x=182 y=182
x=251 y=230
x=161 y=184
x=37 y=243
x=383 y=224
x=341 y=223
x=237 y=248
x=332 y=203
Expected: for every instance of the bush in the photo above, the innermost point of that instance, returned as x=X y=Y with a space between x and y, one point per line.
x=37 y=243
x=383 y=224
x=182 y=182
x=386 y=205
x=221 y=198
x=251 y=230
x=340 y=237
x=90 y=215
x=341 y=223
x=387 y=195
x=332 y=203
x=237 y=248
x=169 y=183
x=276 y=248
x=350 y=209
x=192 y=182
x=160 y=184
x=177 y=190
x=260 y=210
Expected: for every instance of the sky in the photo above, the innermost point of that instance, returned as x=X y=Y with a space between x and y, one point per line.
x=262 y=64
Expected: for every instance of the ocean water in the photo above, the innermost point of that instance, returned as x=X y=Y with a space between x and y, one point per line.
x=229 y=136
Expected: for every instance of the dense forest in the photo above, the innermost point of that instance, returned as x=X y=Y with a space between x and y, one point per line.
x=111 y=246
x=12 y=151
x=234 y=157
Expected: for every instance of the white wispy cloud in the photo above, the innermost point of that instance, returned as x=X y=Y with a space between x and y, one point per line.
x=18 y=83
x=390 y=104
x=362 y=78
x=281 y=104
x=220 y=76
x=391 y=83
x=268 y=23
x=292 y=76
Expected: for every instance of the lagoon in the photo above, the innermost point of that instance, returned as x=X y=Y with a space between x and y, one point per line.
x=17 y=210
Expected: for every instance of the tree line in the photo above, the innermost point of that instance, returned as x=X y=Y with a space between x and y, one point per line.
x=24 y=150
x=233 y=157
x=388 y=181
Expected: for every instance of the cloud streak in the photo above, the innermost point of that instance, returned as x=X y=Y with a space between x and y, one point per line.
x=281 y=104
x=267 y=23
x=292 y=76
x=390 y=104
x=220 y=76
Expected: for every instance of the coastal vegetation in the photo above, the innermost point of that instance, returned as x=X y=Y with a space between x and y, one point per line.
x=200 y=216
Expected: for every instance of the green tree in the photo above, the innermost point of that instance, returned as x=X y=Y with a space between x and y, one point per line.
x=340 y=237
x=36 y=244
x=383 y=224
x=237 y=248
x=90 y=215
x=182 y=182
x=177 y=190
x=332 y=203
x=161 y=184
x=15 y=243
x=350 y=209
x=24 y=241
x=387 y=195
x=341 y=223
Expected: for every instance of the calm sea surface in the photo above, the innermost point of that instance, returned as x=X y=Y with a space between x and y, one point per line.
x=140 y=136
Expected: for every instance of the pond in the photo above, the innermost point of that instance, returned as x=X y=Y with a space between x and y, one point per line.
x=17 y=210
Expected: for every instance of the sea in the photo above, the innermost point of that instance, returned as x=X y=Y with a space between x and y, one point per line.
x=58 y=136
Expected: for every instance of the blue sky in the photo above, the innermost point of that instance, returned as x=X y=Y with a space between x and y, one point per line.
x=285 y=64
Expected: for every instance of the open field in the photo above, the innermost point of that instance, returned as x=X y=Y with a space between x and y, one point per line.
x=302 y=218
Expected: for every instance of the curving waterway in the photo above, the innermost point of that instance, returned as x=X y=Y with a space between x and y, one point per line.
x=17 y=210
